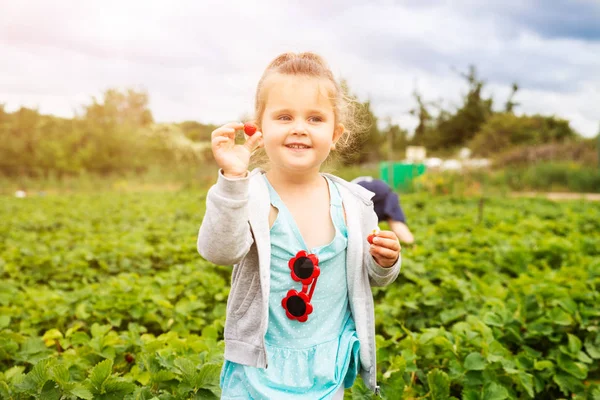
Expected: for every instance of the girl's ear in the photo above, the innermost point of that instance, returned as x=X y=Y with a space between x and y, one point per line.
x=337 y=134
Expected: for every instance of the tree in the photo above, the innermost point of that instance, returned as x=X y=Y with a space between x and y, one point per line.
x=123 y=108
x=112 y=131
x=196 y=131
x=397 y=140
x=452 y=130
x=510 y=105
x=505 y=130
x=419 y=138
x=365 y=137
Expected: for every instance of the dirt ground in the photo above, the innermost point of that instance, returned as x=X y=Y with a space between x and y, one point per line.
x=559 y=195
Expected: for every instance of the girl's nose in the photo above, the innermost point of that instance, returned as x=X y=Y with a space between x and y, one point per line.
x=299 y=128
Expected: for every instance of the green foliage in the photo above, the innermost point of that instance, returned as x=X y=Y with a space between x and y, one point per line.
x=505 y=130
x=554 y=177
x=581 y=152
x=474 y=124
x=504 y=307
x=452 y=129
x=114 y=135
x=105 y=296
x=196 y=131
x=117 y=135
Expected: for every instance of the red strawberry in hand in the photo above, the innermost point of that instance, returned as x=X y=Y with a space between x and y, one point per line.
x=372 y=236
x=249 y=128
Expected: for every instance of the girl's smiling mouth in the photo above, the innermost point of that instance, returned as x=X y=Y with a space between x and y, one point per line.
x=297 y=146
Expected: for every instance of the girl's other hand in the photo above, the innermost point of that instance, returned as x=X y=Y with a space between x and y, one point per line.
x=385 y=248
x=233 y=158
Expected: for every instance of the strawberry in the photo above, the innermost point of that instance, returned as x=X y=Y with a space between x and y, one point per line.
x=370 y=238
x=374 y=233
x=249 y=128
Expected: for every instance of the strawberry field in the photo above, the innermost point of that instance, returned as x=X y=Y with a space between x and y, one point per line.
x=105 y=297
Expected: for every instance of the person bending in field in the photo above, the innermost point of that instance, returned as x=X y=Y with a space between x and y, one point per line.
x=387 y=207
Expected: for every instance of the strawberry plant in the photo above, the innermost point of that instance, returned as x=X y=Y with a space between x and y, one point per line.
x=106 y=297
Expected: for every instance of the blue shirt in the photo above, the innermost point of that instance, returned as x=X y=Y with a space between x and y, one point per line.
x=310 y=359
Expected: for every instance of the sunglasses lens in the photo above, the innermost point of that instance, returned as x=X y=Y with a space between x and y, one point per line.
x=303 y=267
x=296 y=306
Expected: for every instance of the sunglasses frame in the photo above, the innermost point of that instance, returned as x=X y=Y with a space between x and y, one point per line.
x=304 y=295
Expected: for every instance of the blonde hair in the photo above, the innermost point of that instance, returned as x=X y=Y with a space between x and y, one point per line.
x=312 y=65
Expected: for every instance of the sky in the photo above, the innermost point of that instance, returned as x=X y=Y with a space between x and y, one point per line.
x=201 y=60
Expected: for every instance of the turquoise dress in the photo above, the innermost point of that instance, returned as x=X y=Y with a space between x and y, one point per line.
x=312 y=359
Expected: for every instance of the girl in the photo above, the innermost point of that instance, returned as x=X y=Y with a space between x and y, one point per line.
x=300 y=315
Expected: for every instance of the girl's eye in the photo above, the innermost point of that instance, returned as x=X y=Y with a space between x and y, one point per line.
x=284 y=117
x=316 y=119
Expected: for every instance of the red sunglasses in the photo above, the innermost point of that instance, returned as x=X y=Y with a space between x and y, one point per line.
x=303 y=268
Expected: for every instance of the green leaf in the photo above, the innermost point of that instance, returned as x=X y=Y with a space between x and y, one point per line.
x=560 y=317
x=491 y=391
x=141 y=393
x=208 y=376
x=439 y=385
x=594 y=392
x=81 y=392
x=474 y=378
x=452 y=314
x=210 y=332
x=584 y=358
x=494 y=391
x=474 y=362
x=578 y=370
x=60 y=373
x=568 y=384
x=4 y=321
x=118 y=388
x=37 y=377
x=361 y=392
x=188 y=371
x=99 y=331
x=99 y=375
x=568 y=305
x=526 y=381
x=524 y=361
x=471 y=394
x=4 y=391
x=52 y=334
x=34 y=350
x=593 y=349
x=14 y=372
x=80 y=311
x=544 y=364
x=574 y=344
x=162 y=376
x=205 y=394
x=493 y=319
x=50 y=391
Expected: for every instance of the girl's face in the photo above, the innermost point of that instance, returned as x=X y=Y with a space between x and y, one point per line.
x=298 y=123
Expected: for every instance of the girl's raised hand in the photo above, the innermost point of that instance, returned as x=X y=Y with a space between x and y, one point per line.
x=233 y=158
x=385 y=248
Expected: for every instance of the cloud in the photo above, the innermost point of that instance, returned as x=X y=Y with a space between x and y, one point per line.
x=202 y=60
x=572 y=19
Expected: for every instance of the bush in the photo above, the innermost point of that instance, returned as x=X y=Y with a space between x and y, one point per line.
x=554 y=177
x=583 y=152
x=504 y=130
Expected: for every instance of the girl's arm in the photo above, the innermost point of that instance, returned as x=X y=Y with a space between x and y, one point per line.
x=225 y=237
